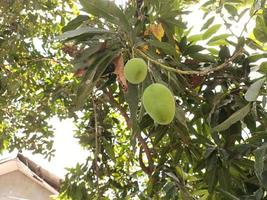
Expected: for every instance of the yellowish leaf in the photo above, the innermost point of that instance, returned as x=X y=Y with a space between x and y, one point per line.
x=177 y=49
x=144 y=48
x=157 y=30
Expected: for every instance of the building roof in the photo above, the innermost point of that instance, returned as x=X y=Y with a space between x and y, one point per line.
x=31 y=169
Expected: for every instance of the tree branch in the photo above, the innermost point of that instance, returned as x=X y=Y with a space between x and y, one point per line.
x=143 y=143
x=96 y=143
x=206 y=71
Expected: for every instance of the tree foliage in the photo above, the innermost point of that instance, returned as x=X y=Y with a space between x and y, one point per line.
x=215 y=147
x=32 y=71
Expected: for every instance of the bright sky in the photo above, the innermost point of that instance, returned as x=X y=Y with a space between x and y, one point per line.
x=68 y=151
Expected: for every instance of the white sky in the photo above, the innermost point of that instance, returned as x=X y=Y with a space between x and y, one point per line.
x=68 y=151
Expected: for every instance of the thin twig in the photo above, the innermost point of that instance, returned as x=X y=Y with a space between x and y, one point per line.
x=96 y=144
x=246 y=24
x=191 y=72
x=143 y=143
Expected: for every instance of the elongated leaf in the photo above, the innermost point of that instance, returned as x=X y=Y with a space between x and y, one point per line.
x=228 y=195
x=231 y=9
x=207 y=24
x=133 y=100
x=218 y=43
x=80 y=31
x=256 y=57
x=195 y=38
x=260 y=34
x=253 y=91
x=180 y=115
x=260 y=31
x=108 y=10
x=237 y=116
x=219 y=37
x=212 y=30
x=91 y=77
x=203 y=57
x=263 y=68
x=259 y=162
x=166 y=47
x=75 y=23
x=193 y=49
x=212 y=179
x=265 y=15
x=87 y=58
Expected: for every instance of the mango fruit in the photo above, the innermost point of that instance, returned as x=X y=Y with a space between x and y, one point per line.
x=159 y=103
x=135 y=70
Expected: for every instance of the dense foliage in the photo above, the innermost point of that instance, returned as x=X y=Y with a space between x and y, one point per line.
x=214 y=148
x=32 y=71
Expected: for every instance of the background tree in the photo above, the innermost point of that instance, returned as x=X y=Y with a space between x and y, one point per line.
x=214 y=148
x=32 y=71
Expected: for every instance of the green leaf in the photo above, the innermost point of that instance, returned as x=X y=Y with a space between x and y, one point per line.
x=109 y=149
x=87 y=57
x=81 y=31
x=212 y=30
x=235 y=117
x=212 y=179
x=90 y=79
x=260 y=31
x=218 y=43
x=260 y=34
x=180 y=115
x=75 y=23
x=264 y=14
x=218 y=37
x=192 y=49
x=108 y=10
x=207 y=24
x=166 y=47
x=260 y=153
x=132 y=98
x=253 y=91
x=256 y=57
x=228 y=194
x=231 y=9
x=195 y=38
x=253 y=44
x=203 y=57
x=263 y=68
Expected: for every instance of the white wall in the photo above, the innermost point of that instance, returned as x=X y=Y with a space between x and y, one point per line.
x=17 y=186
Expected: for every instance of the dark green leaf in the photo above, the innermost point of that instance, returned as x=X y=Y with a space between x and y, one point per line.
x=81 y=31
x=253 y=91
x=91 y=77
x=192 y=49
x=259 y=161
x=263 y=68
x=228 y=194
x=166 y=47
x=75 y=23
x=256 y=57
x=203 y=57
x=207 y=24
x=108 y=10
x=231 y=9
x=237 y=116
x=109 y=149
